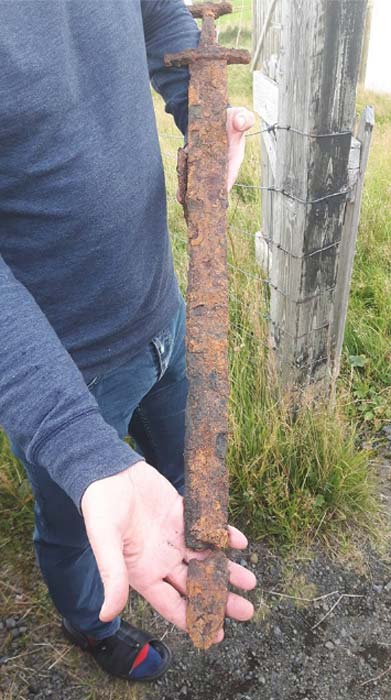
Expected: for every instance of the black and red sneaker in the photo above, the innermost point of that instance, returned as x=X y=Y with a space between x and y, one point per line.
x=130 y=653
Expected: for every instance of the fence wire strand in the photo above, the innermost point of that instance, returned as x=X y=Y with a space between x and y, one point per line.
x=246 y=268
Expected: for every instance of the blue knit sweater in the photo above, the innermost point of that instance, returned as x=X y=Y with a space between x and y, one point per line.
x=86 y=274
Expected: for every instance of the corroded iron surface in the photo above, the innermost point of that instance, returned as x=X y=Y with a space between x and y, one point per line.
x=203 y=191
x=208 y=591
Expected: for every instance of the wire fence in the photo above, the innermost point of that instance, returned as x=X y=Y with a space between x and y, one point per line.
x=249 y=286
x=246 y=277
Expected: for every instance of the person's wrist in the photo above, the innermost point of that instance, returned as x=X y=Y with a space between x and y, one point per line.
x=121 y=482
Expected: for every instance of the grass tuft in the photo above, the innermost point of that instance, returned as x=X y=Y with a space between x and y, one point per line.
x=299 y=478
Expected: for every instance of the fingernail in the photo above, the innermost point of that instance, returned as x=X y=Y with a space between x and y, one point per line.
x=241 y=121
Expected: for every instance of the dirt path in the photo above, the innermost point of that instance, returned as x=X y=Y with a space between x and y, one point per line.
x=334 y=645
x=288 y=653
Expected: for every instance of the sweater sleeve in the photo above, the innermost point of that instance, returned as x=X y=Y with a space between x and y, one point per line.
x=169 y=27
x=45 y=405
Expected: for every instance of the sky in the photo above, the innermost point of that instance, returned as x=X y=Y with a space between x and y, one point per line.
x=379 y=60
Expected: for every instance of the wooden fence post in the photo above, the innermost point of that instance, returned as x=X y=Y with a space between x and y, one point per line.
x=349 y=240
x=321 y=51
x=365 y=49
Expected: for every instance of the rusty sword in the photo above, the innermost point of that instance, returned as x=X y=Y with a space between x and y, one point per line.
x=203 y=184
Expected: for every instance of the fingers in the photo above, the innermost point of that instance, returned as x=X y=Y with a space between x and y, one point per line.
x=107 y=548
x=242 y=119
x=238 y=577
x=168 y=602
x=178 y=578
x=237 y=540
x=241 y=577
x=239 y=608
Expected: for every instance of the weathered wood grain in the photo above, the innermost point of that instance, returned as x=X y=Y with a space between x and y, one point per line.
x=349 y=241
x=265 y=97
x=319 y=72
x=263 y=33
x=270 y=45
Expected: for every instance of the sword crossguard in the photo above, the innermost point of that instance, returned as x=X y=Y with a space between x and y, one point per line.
x=208 y=48
x=211 y=53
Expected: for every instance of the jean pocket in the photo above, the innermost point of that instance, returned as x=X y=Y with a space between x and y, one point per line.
x=163 y=346
x=93 y=383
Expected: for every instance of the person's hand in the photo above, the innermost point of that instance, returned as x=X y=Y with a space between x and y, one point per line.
x=239 y=120
x=135 y=525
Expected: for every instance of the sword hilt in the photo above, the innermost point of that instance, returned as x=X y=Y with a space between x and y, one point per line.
x=208 y=47
x=209 y=12
x=200 y=10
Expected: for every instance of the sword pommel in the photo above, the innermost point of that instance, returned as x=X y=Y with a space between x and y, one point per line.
x=211 y=9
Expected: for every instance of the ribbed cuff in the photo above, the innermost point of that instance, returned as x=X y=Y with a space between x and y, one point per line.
x=84 y=450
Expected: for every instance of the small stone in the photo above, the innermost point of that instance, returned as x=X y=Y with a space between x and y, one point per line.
x=10 y=623
x=254 y=558
x=183 y=690
x=387 y=431
x=262 y=680
x=277 y=631
x=378 y=589
x=388 y=587
x=15 y=632
x=1 y=625
x=23 y=630
x=329 y=646
x=243 y=563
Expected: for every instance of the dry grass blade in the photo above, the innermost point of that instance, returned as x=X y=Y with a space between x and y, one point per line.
x=376 y=678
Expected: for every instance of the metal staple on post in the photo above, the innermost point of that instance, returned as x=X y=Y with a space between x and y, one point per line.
x=203 y=186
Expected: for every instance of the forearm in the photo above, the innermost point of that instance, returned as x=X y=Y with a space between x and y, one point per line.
x=45 y=406
x=169 y=27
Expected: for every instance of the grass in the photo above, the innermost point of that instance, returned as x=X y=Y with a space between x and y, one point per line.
x=367 y=356
x=293 y=479
x=296 y=478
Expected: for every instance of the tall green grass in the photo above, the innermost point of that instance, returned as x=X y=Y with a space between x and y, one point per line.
x=297 y=477
x=367 y=352
x=291 y=477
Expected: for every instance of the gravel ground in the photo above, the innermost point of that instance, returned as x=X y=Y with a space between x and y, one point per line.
x=286 y=654
x=333 y=645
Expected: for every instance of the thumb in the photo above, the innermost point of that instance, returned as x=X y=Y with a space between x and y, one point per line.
x=107 y=548
x=242 y=119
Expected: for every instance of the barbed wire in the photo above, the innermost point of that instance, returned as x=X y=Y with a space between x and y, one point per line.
x=272 y=128
x=341 y=193
x=265 y=282
x=318 y=251
x=280 y=190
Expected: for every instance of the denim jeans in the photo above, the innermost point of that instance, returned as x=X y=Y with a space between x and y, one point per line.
x=145 y=398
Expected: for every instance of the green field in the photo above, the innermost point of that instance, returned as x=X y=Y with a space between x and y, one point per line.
x=309 y=476
x=288 y=478
x=293 y=481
